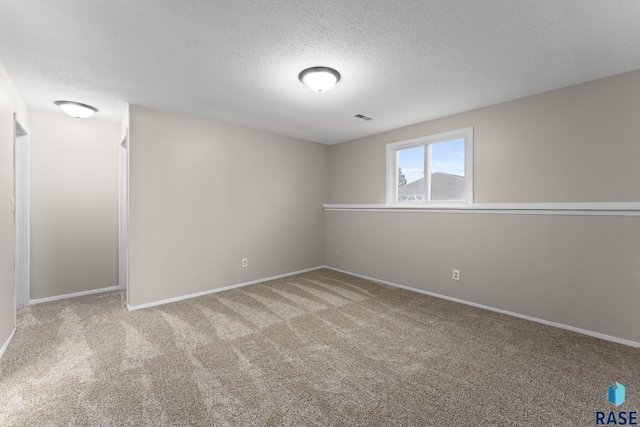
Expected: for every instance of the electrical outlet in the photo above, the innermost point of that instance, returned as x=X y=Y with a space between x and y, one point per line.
x=245 y=262
x=337 y=254
x=456 y=274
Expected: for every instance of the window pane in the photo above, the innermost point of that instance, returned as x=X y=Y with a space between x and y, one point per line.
x=411 y=186
x=435 y=168
x=447 y=170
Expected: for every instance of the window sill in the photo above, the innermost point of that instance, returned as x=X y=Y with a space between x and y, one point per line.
x=593 y=209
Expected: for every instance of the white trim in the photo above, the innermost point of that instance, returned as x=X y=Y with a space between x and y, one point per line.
x=22 y=144
x=428 y=166
x=73 y=295
x=468 y=164
x=598 y=208
x=498 y=310
x=123 y=212
x=212 y=291
x=6 y=344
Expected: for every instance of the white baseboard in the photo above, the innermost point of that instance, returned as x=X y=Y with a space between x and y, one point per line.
x=498 y=310
x=73 y=295
x=211 y=291
x=6 y=344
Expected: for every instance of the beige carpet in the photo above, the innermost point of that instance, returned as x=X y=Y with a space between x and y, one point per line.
x=317 y=349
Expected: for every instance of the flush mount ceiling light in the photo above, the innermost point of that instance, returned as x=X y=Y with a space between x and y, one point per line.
x=320 y=79
x=76 y=109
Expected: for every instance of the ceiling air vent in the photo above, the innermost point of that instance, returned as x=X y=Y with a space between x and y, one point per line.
x=362 y=116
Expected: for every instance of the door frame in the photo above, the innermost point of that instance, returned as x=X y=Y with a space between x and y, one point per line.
x=21 y=206
x=123 y=216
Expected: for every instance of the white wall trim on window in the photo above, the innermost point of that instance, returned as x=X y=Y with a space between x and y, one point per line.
x=392 y=150
x=592 y=209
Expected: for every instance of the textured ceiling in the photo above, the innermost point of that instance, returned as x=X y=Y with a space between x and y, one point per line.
x=237 y=61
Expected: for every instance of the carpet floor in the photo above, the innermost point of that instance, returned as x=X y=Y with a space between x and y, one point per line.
x=316 y=349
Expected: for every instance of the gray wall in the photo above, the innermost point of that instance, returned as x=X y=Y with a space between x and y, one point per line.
x=74 y=205
x=578 y=144
x=10 y=103
x=204 y=195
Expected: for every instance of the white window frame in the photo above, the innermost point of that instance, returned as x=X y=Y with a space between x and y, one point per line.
x=426 y=141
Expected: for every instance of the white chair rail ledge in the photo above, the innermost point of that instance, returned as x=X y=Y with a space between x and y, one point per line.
x=587 y=208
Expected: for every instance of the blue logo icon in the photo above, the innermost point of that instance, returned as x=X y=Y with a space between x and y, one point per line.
x=616 y=394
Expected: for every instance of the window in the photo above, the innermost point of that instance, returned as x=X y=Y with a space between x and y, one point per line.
x=431 y=170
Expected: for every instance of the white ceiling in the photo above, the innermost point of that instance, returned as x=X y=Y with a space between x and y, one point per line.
x=237 y=61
